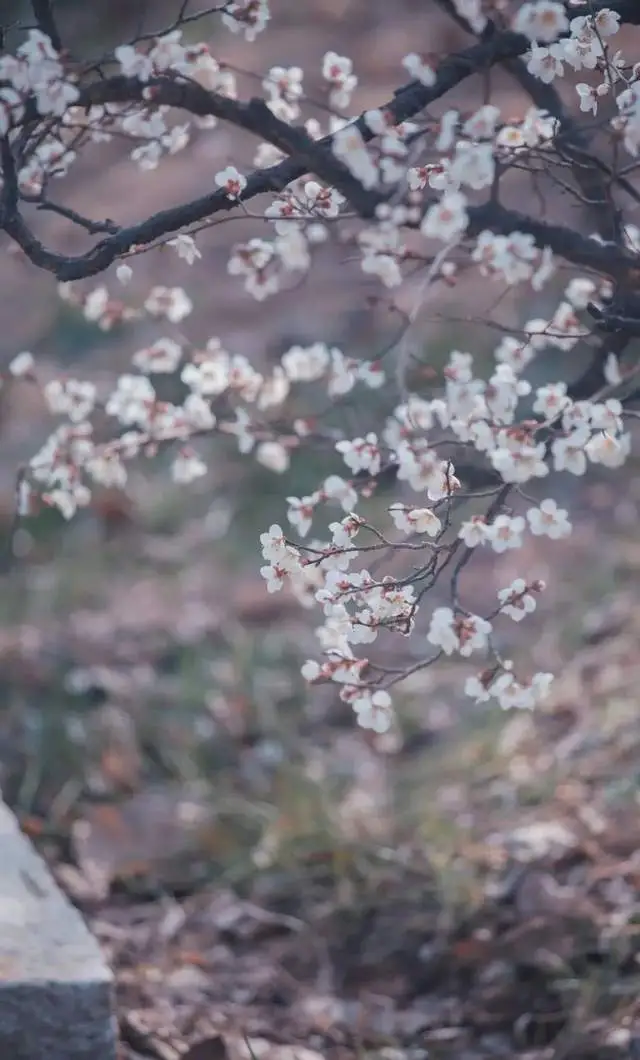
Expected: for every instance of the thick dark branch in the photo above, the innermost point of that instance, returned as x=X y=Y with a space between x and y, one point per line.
x=406 y=103
x=309 y=156
x=579 y=250
x=9 y=200
x=621 y=315
x=586 y=253
x=94 y=228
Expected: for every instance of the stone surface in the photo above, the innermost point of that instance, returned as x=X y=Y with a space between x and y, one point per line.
x=55 y=988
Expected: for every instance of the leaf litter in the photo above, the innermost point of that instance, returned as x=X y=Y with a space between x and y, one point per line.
x=467 y=888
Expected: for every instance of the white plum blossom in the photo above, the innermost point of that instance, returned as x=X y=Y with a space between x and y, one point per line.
x=373 y=710
x=274 y=456
x=546 y=63
x=168 y=52
x=474 y=532
x=514 y=352
x=580 y=291
x=186 y=248
x=577 y=417
x=472 y=12
x=463 y=634
x=231 y=181
x=362 y=454
x=282 y=559
x=306 y=364
x=170 y=302
x=70 y=397
x=551 y=400
x=198 y=413
x=249 y=17
x=482 y=123
x=519 y=461
x=569 y=451
x=512 y=694
x=301 y=511
x=418 y=68
x=273 y=543
x=604 y=23
x=132 y=400
x=209 y=375
x=23 y=364
x=589 y=95
x=349 y=147
x=607 y=416
x=338 y=71
x=473 y=165
x=509 y=692
x=505 y=532
x=516 y=600
x=607 y=449
x=338 y=489
x=107 y=468
x=478 y=689
x=96 y=303
x=163 y=355
x=549 y=520
x=124 y=273
x=285 y=84
x=342 y=533
x=447 y=219
x=541 y=20
x=274 y=389
x=134 y=63
x=415 y=520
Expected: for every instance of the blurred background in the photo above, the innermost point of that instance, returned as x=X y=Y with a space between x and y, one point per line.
x=157 y=741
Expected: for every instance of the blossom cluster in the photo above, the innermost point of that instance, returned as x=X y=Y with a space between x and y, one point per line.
x=221 y=389
x=428 y=178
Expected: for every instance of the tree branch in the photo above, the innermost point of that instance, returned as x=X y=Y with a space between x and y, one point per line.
x=94 y=228
x=9 y=200
x=406 y=103
x=572 y=139
x=309 y=156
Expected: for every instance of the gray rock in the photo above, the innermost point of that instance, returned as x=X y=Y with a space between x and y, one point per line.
x=55 y=988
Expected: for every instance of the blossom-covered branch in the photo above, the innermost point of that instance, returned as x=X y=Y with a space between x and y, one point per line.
x=540 y=205
x=304 y=156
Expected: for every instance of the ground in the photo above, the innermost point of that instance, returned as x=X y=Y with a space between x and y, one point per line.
x=257 y=868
